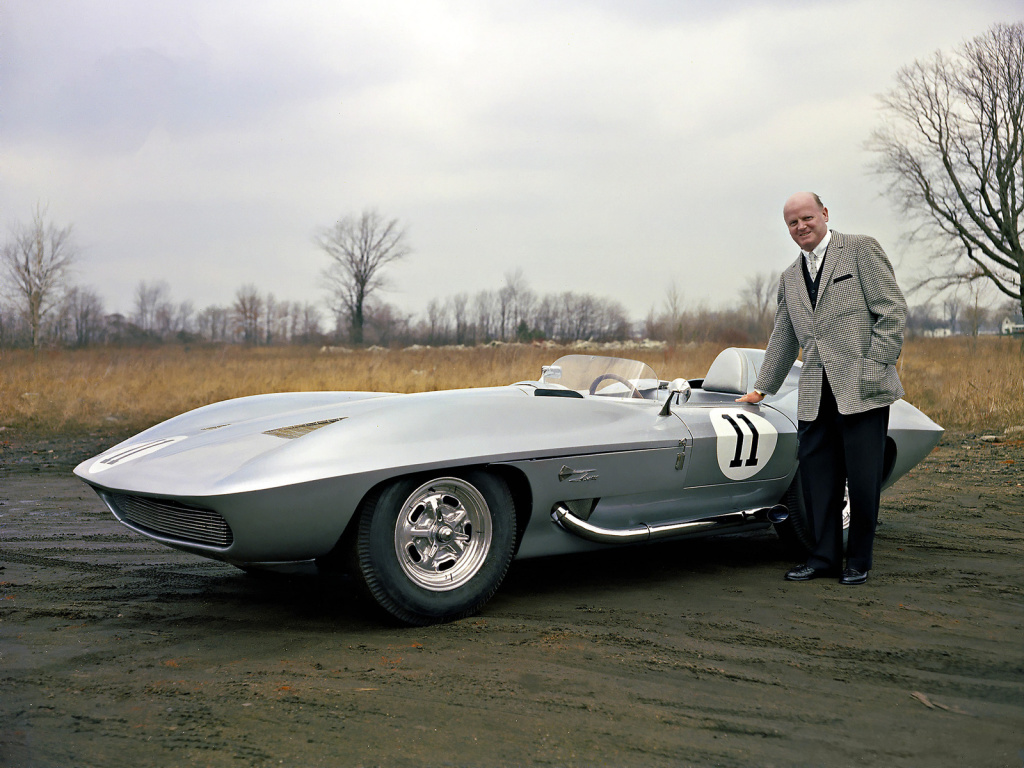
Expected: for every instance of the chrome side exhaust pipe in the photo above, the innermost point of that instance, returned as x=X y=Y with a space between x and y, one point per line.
x=645 y=532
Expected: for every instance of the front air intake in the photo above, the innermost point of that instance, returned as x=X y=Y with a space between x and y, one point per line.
x=171 y=519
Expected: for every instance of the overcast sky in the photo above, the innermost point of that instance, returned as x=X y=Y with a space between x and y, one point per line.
x=602 y=146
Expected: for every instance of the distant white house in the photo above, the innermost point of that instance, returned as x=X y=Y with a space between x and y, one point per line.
x=1011 y=327
x=938 y=333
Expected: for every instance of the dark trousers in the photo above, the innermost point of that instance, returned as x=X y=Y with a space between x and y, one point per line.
x=835 y=451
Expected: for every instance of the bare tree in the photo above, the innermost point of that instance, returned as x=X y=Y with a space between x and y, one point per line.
x=758 y=296
x=84 y=310
x=151 y=305
x=183 y=317
x=505 y=298
x=305 y=322
x=483 y=307
x=976 y=310
x=386 y=324
x=459 y=303
x=921 y=320
x=952 y=147
x=437 y=323
x=247 y=311
x=521 y=300
x=36 y=262
x=951 y=307
x=580 y=310
x=212 y=323
x=5 y=326
x=546 y=315
x=163 y=320
x=359 y=248
x=270 y=318
x=673 y=313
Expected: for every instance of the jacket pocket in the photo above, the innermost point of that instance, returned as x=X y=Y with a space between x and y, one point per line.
x=872 y=378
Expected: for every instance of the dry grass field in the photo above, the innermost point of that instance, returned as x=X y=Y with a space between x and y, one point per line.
x=963 y=384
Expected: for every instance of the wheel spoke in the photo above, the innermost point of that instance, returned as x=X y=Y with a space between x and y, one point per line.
x=443 y=534
x=430 y=553
x=421 y=528
x=458 y=544
x=456 y=518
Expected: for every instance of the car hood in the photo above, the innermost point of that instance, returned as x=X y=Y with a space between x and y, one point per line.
x=269 y=441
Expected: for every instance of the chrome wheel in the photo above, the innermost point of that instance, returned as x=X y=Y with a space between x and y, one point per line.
x=443 y=534
x=430 y=550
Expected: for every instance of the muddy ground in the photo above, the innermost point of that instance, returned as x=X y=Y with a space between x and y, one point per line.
x=115 y=651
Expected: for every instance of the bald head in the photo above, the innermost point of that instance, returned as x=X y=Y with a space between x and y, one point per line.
x=804 y=197
x=807 y=219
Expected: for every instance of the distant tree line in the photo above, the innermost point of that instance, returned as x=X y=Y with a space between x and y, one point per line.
x=966 y=315
x=56 y=312
x=40 y=306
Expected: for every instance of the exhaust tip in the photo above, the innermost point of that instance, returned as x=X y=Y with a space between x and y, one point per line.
x=778 y=514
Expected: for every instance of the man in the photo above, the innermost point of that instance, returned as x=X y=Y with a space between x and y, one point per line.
x=840 y=304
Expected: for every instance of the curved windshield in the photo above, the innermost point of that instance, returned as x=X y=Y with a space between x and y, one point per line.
x=602 y=376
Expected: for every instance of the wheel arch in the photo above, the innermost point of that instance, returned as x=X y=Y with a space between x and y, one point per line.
x=339 y=558
x=522 y=495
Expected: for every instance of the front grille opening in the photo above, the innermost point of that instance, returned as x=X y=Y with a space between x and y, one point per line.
x=172 y=520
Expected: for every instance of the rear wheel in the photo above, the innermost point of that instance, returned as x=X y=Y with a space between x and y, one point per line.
x=797 y=532
x=436 y=550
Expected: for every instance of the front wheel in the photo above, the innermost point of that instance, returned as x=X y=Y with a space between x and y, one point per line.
x=436 y=550
x=797 y=532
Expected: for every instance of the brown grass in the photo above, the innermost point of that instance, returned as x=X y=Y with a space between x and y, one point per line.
x=966 y=384
x=962 y=384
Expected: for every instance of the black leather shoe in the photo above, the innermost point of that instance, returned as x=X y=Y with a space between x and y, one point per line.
x=805 y=573
x=853 y=576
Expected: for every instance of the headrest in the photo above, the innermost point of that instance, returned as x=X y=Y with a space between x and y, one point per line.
x=734 y=371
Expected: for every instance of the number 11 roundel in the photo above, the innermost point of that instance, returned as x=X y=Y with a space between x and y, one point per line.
x=746 y=442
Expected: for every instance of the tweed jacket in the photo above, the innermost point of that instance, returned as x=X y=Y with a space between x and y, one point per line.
x=854 y=332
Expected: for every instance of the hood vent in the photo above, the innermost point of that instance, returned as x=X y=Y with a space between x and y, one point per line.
x=298 y=430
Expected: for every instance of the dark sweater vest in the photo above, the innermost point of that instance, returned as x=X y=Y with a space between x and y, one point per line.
x=812 y=285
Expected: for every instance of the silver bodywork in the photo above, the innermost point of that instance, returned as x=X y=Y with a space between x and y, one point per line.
x=276 y=480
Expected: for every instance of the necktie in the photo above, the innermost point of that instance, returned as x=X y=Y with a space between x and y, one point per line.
x=812 y=264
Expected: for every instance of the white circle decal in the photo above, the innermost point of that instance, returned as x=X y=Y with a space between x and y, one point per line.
x=746 y=442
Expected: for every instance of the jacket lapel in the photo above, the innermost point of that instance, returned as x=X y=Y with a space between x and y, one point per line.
x=796 y=270
x=828 y=266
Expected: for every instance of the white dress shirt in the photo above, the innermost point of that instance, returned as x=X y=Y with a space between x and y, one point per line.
x=819 y=252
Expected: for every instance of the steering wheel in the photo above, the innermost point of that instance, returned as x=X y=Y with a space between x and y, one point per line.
x=615 y=377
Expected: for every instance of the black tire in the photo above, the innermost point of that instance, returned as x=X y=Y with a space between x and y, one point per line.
x=436 y=549
x=797 y=532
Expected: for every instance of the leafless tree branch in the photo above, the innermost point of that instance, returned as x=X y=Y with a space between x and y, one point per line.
x=952 y=149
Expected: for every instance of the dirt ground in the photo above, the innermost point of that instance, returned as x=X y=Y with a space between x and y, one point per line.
x=115 y=651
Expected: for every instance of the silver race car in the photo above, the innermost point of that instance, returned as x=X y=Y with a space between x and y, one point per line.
x=426 y=498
